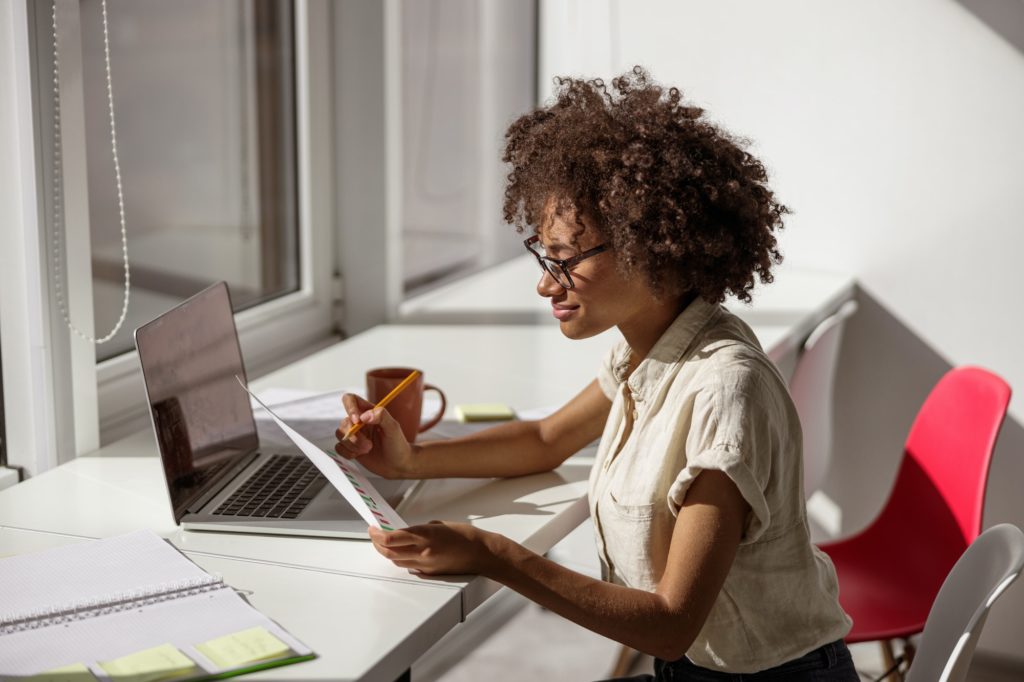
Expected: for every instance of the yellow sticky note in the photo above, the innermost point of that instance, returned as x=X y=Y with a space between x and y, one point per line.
x=484 y=412
x=76 y=672
x=242 y=648
x=162 y=662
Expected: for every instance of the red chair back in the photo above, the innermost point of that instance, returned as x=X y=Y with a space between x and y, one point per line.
x=939 y=495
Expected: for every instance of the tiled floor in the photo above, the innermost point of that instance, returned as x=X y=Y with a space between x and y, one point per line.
x=538 y=645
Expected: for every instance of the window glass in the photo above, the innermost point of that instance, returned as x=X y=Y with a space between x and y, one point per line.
x=204 y=101
x=468 y=69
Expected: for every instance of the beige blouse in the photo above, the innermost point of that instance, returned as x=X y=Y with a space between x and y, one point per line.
x=707 y=397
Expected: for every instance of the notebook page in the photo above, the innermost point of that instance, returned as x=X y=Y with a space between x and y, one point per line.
x=184 y=622
x=72 y=573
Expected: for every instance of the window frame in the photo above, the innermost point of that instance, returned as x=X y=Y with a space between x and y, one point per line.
x=350 y=220
x=267 y=331
x=98 y=402
x=34 y=439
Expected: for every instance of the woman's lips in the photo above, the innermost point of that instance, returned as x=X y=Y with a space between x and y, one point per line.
x=563 y=312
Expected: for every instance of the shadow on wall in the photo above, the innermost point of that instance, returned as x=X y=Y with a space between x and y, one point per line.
x=885 y=372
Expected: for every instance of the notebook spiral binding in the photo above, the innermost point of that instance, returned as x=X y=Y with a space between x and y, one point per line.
x=116 y=601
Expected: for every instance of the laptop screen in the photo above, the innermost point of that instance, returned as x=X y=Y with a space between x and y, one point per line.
x=202 y=418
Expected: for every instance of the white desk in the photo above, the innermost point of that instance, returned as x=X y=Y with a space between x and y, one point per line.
x=120 y=487
x=395 y=625
x=95 y=497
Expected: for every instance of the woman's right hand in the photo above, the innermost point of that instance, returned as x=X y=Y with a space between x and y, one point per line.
x=380 y=446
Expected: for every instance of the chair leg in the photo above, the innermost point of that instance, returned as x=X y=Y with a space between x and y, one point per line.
x=889 y=661
x=624 y=661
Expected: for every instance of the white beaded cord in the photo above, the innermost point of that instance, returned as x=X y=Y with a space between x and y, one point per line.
x=57 y=188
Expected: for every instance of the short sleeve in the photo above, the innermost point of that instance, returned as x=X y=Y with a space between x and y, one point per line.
x=733 y=430
x=613 y=366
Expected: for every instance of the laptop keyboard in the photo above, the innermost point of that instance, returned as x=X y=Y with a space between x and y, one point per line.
x=281 y=488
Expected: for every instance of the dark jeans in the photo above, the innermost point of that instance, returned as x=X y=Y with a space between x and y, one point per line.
x=829 y=662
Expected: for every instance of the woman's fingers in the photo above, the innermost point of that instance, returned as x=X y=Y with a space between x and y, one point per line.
x=396 y=538
x=354 y=406
x=347 y=450
x=358 y=443
x=411 y=558
x=413 y=565
x=401 y=551
x=349 y=447
x=415 y=549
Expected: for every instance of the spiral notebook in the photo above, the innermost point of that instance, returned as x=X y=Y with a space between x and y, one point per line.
x=130 y=607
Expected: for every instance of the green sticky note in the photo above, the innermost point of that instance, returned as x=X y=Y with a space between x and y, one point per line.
x=484 y=412
x=242 y=648
x=162 y=662
x=76 y=672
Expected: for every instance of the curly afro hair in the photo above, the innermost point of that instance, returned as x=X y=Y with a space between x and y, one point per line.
x=678 y=199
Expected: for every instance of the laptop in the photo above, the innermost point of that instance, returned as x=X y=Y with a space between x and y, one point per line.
x=218 y=475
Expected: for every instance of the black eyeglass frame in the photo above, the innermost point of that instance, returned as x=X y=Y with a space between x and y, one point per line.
x=563 y=264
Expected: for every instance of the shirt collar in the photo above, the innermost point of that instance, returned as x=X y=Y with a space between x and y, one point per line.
x=668 y=350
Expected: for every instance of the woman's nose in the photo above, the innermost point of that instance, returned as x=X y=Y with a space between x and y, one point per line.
x=548 y=286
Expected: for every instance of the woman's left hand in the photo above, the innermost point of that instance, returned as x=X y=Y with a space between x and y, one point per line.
x=438 y=548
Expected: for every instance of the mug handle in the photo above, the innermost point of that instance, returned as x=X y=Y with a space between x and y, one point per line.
x=431 y=423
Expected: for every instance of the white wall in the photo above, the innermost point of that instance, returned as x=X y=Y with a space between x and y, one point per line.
x=895 y=131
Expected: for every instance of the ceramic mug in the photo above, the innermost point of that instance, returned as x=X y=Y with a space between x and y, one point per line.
x=406 y=408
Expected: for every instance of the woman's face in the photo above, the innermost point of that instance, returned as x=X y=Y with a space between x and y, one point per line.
x=602 y=297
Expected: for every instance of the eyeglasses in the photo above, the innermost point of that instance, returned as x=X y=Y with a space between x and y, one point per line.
x=557 y=267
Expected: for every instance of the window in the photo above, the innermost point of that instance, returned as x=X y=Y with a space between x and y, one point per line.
x=424 y=93
x=216 y=103
x=281 y=146
x=467 y=70
x=205 y=106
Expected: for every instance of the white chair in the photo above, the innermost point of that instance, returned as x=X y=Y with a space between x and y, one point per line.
x=811 y=388
x=979 y=577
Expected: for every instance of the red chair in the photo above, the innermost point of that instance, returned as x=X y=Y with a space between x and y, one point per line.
x=890 y=573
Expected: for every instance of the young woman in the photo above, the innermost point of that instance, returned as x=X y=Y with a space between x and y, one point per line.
x=645 y=216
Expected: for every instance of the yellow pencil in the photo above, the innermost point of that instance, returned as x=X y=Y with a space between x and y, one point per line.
x=354 y=429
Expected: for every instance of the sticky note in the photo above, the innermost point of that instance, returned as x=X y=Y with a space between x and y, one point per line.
x=76 y=672
x=484 y=412
x=242 y=648
x=162 y=662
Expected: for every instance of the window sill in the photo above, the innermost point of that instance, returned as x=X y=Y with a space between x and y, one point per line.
x=8 y=477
